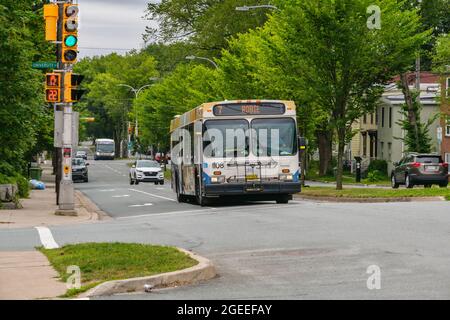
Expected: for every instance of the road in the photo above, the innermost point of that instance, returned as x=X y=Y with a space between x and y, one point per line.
x=303 y=250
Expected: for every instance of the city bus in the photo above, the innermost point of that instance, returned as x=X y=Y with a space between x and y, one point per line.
x=105 y=149
x=245 y=148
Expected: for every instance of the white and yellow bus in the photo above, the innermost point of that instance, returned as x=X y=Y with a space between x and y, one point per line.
x=236 y=148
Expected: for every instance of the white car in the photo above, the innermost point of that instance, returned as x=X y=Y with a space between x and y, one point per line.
x=146 y=171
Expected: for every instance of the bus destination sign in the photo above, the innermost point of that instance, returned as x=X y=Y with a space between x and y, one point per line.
x=242 y=109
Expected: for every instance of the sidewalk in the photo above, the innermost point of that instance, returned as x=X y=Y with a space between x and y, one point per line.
x=28 y=274
x=39 y=209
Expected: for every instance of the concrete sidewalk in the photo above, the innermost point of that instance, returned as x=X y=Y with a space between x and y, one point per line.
x=28 y=275
x=39 y=209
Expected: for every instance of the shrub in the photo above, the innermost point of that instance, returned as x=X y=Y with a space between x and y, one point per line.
x=22 y=184
x=374 y=176
x=378 y=165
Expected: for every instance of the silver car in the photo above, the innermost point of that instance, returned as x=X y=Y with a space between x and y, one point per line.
x=146 y=171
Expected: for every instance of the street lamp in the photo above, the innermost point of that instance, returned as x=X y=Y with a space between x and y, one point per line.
x=136 y=95
x=264 y=6
x=203 y=58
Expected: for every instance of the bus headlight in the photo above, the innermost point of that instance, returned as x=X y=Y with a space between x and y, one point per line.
x=218 y=179
x=285 y=177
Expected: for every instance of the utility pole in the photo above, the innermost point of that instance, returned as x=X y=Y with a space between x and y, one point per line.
x=61 y=90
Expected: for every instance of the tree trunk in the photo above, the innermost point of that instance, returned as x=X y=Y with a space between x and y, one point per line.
x=324 y=139
x=303 y=155
x=411 y=112
x=340 y=162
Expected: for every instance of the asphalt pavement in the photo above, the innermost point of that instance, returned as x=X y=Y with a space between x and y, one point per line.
x=302 y=250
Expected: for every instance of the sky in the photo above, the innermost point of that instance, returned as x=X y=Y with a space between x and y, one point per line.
x=107 y=26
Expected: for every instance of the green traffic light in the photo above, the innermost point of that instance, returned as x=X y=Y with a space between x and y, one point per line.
x=70 y=41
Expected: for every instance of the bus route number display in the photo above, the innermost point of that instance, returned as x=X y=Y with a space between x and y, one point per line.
x=242 y=109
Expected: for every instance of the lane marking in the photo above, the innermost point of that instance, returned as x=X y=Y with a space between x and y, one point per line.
x=199 y=212
x=153 y=195
x=122 y=196
x=214 y=210
x=107 y=190
x=46 y=237
x=141 y=205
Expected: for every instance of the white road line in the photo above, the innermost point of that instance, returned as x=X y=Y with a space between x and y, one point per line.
x=141 y=205
x=153 y=195
x=46 y=237
x=107 y=190
x=199 y=212
x=122 y=196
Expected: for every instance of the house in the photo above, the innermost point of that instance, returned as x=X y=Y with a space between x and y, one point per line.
x=378 y=135
x=445 y=120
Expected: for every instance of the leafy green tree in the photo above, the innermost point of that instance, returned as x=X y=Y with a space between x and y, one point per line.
x=25 y=129
x=186 y=88
x=417 y=133
x=343 y=62
x=205 y=23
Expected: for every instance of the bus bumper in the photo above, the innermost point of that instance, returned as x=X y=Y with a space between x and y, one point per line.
x=252 y=189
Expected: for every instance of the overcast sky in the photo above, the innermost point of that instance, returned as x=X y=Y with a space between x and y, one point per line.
x=111 y=24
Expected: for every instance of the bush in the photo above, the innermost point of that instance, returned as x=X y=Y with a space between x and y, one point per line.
x=378 y=165
x=22 y=184
x=374 y=176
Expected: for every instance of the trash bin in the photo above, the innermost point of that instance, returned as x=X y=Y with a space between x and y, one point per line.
x=35 y=173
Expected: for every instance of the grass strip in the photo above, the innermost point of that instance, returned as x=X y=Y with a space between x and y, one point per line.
x=376 y=192
x=101 y=262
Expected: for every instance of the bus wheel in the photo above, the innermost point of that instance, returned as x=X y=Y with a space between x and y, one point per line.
x=283 y=199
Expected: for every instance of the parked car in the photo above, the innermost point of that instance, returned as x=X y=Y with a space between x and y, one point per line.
x=420 y=169
x=81 y=154
x=80 y=170
x=146 y=171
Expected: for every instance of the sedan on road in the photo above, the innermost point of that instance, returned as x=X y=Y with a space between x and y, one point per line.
x=420 y=169
x=81 y=154
x=146 y=171
x=80 y=170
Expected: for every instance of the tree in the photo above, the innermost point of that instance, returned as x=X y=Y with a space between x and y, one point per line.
x=343 y=62
x=25 y=129
x=207 y=24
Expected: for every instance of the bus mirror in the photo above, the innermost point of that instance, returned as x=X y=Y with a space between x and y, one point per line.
x=302 y=143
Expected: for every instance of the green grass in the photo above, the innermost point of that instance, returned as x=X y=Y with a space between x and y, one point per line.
x=100 y=262
x=348 y=179
x=377 y=193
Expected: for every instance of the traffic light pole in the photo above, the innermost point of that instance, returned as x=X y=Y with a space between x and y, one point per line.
x=66 y=201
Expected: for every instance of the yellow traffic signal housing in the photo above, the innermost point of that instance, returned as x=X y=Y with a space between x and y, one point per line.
x=51 y=20
x=70 y=33
x=53 y=87
x=71 y=83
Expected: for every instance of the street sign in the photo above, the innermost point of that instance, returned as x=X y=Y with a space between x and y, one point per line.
x=44 y=65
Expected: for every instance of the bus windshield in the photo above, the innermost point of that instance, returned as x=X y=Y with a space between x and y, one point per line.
x=107 y=148
x=281 y=129
x=232 y=134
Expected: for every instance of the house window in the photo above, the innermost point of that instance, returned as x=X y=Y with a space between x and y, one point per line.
x=447 y=157
x=448 y=87
x=371 y=118
x=389 y=151
x=364 y=144
x=390 y=117
x=365 y=119
x=382 y=149
x=382 y=117
x=447 y=128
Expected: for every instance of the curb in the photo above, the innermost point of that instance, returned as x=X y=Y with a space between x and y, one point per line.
x=95 y=212
x=204 y=270
x=369 y=200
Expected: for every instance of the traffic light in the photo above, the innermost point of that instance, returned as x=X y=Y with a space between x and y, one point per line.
x=53 y=87
x=72 y=81
x=70 y=34
x=51 y=19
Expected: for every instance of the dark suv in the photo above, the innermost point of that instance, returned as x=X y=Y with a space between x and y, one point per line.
x=420 y=169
